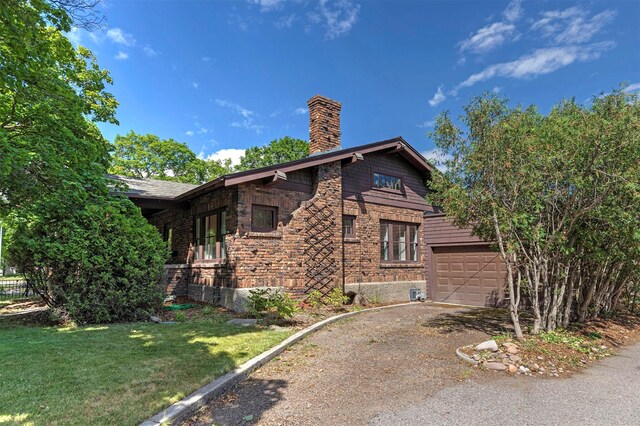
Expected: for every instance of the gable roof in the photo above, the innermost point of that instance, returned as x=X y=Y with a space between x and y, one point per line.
x=152 y=188
x=397 y=144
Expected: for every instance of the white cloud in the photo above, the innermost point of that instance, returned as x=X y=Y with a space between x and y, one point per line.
x=118 y=36
x=195 y=84
x=513 y=12
x=496 y=90
x=572 y=25
x=74 y=36
x=496 y=34
x=268 y=5
x=285 y=21
x=488 y=38
x=426 y=124
x=150 y=51
x=122 y=56
x=338 y=17
x=189 y=133
x=248 y=124
x=632 y=88
x=541 y=61
x=95 y=37
x=246 y=113
x=300 y=111
x=233 y=153
x=437 y=158
x=206 y=59
x=203 y=131
x=248 y=121
x=438 y=97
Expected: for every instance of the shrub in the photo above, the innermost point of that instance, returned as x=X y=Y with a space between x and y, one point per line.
x=315 y=299
x=263 y=301
x=94 y=260
x=336 y=298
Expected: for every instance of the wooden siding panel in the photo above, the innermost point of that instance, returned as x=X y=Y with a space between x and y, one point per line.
x=357 y=181
x=440 y=231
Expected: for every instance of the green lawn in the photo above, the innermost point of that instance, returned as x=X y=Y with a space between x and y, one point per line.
x=115 y=374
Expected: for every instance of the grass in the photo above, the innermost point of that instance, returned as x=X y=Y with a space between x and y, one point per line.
x=11 y=277
x=115 y=374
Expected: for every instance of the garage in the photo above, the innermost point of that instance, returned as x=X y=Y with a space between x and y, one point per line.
x=461 y=268
x=468 y=275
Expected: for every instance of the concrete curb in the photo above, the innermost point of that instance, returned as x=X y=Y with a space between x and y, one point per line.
x=183 y=408
x=466 y=357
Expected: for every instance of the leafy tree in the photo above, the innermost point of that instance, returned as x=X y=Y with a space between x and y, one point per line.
x=558 y=195
x=277 y=151
x=50 y=95
x=89 y=254
x=93 y=260
x=148 y=156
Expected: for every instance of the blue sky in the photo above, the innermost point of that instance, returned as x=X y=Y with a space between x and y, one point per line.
x=224 y=76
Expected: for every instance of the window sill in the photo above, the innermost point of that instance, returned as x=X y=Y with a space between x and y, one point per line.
x=213 y=263
x=352 y=240
x=271 y=234
x=401 y=265
x=390 y=191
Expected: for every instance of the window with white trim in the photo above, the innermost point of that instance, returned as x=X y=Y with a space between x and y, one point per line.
x=398 y=242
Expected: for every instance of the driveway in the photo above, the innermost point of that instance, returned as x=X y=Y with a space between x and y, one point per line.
x=608 y=393
x=353 y=370
x=398 y=367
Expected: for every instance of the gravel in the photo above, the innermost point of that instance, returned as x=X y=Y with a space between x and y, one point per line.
x=351 y=371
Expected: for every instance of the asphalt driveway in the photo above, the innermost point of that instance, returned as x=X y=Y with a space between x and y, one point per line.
x=608 y=393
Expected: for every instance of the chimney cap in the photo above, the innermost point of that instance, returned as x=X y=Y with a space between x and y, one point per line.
x=319 y=98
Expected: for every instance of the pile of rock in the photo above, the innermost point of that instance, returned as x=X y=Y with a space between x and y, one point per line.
x=503 y=358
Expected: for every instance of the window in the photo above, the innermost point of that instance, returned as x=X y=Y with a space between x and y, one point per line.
x=167 y=235
x=381 y=181
x=210 y=231
x=398 y=242
x=263 y=218
x=348 y=226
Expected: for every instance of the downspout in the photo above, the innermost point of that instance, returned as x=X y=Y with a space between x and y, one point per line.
x=344 y=277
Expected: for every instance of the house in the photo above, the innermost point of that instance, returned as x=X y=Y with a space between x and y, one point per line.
x=353 y=218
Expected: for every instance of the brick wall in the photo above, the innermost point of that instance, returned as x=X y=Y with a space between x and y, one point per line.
x=324 y=124
x=362 y=254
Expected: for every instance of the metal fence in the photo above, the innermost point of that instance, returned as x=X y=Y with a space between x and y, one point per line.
x=15 y=289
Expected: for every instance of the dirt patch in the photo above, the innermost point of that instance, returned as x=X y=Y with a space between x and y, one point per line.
x=561 y=352
x=17 y=306
x=350 y=371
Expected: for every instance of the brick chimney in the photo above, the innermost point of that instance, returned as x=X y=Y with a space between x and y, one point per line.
x=324 y=125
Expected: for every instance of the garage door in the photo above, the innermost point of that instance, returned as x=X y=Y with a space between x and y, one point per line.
x=468 y=275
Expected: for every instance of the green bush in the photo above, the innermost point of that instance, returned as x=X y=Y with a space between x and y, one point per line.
x=94 y=259
x=263 y=301
x=315 y=299
x=336 y=298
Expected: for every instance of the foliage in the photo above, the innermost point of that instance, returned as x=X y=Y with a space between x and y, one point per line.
x=148 y=156
x=336 y=298
x=315 y=299
x=50 y=95
x=277 y=151
x=263 y=301
x=79 y=375
x=95 y=261
x=180 y=317
x=91 y=256
x=557 y=193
